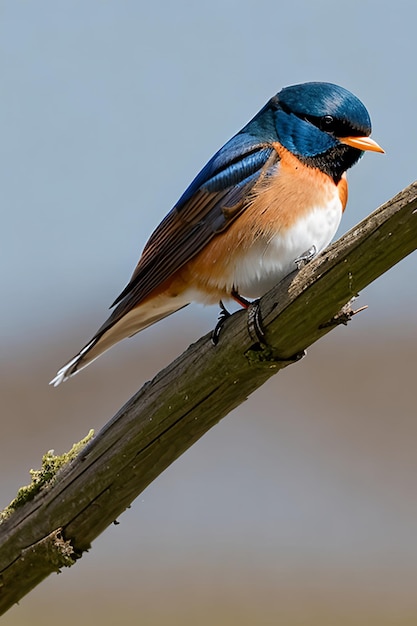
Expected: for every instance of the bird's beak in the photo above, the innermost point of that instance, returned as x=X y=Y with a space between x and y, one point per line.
x=361 y=143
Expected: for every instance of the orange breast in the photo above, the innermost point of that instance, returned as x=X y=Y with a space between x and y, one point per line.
x=273 y=207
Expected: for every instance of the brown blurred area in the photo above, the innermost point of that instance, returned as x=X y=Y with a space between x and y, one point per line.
x=299 y=508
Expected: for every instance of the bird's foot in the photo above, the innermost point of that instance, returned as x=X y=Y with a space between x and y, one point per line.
x=307 y=256
x=261 y=350
x=255 y=326
x=223 y=315
x=240 y=299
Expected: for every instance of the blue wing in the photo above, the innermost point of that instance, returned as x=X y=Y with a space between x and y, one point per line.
x=213 y=200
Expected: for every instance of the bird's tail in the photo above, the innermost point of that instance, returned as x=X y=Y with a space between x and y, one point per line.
x=115 y=329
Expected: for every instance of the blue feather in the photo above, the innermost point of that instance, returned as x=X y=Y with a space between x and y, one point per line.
x=238 y=160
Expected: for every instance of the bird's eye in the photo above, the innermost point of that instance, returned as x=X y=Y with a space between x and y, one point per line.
x=327 y=123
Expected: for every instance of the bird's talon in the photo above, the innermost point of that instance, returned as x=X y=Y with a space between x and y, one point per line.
x=255 y=327
x=306 y=257
x=223 y=315
x=261 y=350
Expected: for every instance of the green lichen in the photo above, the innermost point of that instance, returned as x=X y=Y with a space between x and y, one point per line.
x=51 y=464
x=260 y=353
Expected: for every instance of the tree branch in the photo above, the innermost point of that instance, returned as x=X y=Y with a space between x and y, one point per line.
x=183 y=401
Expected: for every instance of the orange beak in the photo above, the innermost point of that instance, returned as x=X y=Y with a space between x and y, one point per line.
x=361 y=143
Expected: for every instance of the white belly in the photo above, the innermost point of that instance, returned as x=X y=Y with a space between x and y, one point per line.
x=269 y=261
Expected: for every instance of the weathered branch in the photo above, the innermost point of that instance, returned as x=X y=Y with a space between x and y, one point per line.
x=192 y=394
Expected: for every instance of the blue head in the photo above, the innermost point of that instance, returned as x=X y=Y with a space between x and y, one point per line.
x=325 y=125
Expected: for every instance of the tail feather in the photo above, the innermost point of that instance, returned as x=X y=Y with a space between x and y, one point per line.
x=110 y=333
x=75 y=365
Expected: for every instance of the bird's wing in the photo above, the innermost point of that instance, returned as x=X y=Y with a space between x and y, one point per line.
x=213 y=200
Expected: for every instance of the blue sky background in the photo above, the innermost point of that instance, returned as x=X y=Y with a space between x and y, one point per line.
x=109 y=109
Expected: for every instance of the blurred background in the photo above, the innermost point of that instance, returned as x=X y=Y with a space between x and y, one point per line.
x=300 y=507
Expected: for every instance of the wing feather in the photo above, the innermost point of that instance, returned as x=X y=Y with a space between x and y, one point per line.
x=212 y=201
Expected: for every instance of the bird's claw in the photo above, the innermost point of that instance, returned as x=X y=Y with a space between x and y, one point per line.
x=223 y=315
x=257 y=334
x=255 y=327
x=304 y=258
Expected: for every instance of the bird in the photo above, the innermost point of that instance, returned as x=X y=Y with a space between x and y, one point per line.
x=272 y=195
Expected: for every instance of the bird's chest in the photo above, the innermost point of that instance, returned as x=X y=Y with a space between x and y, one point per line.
x=270 y=258
x=295 y=210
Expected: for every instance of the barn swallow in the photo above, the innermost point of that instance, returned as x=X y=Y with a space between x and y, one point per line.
x=273 y=192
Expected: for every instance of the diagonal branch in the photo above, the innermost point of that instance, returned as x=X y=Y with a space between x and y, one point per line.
x=168 y=414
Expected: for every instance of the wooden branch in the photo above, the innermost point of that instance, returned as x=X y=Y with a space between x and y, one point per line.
x=170 y=413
